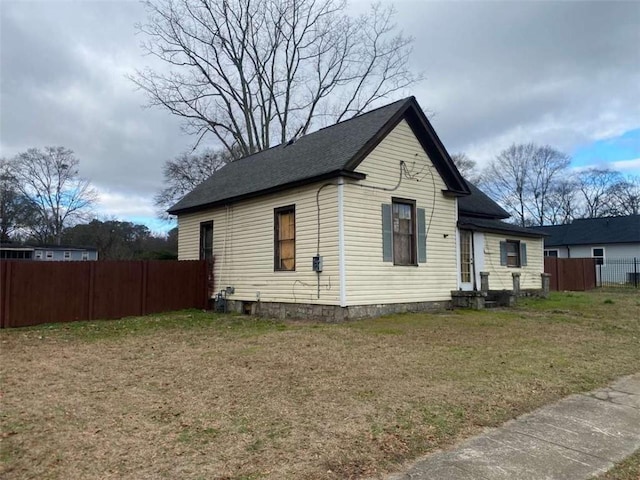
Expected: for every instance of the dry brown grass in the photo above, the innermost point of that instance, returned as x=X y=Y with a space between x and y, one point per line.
x=193 y=395
x=628 y=469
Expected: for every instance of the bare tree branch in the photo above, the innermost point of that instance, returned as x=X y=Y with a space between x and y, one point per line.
x=184 y=173
x=60 y=197
x=257 y=72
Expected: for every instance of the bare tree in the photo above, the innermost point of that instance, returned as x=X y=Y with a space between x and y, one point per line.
x=505 y=179
x=16 y=210
x=466 y=166
x=522 y=179
x=596 y=186
x=625 y=196
x=258 y=72
x=547 y=165
x=49 y=177
x=184 y=173
x=562 y=204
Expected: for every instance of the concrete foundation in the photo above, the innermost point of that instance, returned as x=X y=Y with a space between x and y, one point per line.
x=478 y=300
x=330 y=313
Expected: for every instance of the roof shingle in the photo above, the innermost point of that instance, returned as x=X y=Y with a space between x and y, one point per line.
x=331 y=151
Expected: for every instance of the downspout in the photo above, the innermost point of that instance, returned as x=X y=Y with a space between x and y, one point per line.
x=341 y=256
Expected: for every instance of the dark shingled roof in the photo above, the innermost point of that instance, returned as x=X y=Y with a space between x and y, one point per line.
x=327 y=153
x=479 y=204
x=493 y=225
x=587 y=231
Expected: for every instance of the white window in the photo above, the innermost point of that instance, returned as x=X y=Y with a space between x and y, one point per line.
x=67 y=255
x=598 y=254
x=85 y=255
x=551 y=253
x=38 y=255
x=49 y=255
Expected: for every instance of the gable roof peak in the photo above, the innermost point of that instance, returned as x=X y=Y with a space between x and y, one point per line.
x=333 y=151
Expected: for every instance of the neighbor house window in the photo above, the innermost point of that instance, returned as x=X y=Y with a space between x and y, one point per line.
x=285 y=238
x=513 y=253
x=404 y=232
x=38 y=255
x=206 y=240
x=85 y=255
x=598 y=254
x=49 y=255
x=67 y=255
x=551 y=253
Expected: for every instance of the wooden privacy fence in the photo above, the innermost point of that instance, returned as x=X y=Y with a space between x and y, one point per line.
x=32 y=292
x=574 y=274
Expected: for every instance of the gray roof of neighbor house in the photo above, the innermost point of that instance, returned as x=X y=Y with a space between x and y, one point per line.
x=327 y=153
x=44 y=246
x=590 y=231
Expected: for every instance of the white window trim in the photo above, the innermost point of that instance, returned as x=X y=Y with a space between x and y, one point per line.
x=549 y=250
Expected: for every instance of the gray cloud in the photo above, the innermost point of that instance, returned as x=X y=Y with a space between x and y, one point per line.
x=563 y=73
x=64 y=67
x=554 y=72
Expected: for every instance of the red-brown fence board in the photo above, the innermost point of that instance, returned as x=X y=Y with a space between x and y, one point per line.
x=117 y=289
x=573 y=274
x=161 y=294
x=34 y=292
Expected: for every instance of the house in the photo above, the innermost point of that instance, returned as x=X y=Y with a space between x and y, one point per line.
x=11 y=251
x=353 y=220
x=613 y=241
x=599 y=238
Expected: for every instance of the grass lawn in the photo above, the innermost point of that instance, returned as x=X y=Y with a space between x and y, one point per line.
x=195 y=395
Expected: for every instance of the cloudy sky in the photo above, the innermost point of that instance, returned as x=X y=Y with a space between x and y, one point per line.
x=562 y=73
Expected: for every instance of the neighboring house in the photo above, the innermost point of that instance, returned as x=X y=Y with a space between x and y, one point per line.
x=353 y=220
x=47 y=252
x=599 y=238
x=613 y=241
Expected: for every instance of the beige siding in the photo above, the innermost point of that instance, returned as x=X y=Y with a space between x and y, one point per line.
x=500 y=277
x=243 y=246
x=370 y=280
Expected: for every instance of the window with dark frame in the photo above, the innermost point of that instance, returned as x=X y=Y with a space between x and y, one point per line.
x=206 y=240
x=513 y=253
x=285 y=238
x=598 y=254
x=551 y=253
x=404 y=232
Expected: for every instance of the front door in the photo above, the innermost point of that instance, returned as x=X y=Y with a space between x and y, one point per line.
x=466 y=260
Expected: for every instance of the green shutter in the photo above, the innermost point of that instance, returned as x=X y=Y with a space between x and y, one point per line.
x=422 y=236
x=523 y=254
x=387 y=234
x=503 y=253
